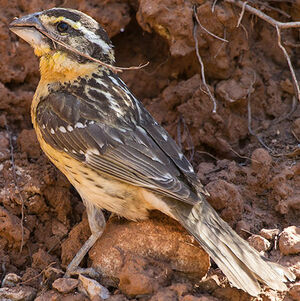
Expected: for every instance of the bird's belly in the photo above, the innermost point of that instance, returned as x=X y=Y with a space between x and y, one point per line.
x=100 y=189
x=108 y=193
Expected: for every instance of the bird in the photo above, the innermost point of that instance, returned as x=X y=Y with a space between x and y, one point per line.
x=115 y=154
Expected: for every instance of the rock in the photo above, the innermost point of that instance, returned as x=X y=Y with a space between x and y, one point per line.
x=55 y=296
x=65 y=285
x=209 y=284
x=59 y=228
x=173 y=292
x=296 y=127
x=29 y=144
x=76 y=238
x=202 y=298
x=261 y=161
x=269 y=233
x=41 y=259
x=4 y=146
x=10 y=280
x=11 y=228
x=137 y=275
x=32 y=277
x=259 y=243
x=232 y=91
x=243 y=228
x=52 y=273
x=159 y=239
x=231 y=293
x=289 y=241
x=22 y=293
x=295 y=291
x=49 y=295
x=225 y=197
x=118 y=297
x=92 y=288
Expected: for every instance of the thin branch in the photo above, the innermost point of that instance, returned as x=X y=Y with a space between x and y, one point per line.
x=278 y=25
x=13 y=166
x=242 y=14
x=222 y=45
x=201 y=63
x=213 y=6
x=111 y=67
x=261 y=15
x=208 y=154
x=206 y=30
x=266 y=5
x=296 y=85
x=39 y=274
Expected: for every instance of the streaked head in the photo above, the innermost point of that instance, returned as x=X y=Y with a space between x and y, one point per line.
x=67 y=33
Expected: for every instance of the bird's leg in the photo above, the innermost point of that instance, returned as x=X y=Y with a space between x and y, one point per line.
x=97 y=224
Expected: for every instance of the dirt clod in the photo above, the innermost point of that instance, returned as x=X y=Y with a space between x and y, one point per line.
x=10 y=280
x=259 y=243
x=289 y=241
x=20 y=293
x=269 y=233
x=65 y=285
x=295 y=291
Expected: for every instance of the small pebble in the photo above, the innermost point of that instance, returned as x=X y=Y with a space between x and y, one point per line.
x=65 y=285
x=259 y=243
x=10 y=280
x=19 y=293
x=289 y=241
x=92 y=288
x=269 y=233
x=295 y=291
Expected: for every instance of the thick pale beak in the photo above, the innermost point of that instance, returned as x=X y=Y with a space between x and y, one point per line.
x=30 y=29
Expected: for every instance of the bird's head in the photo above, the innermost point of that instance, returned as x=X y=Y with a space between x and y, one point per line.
x=67 y=41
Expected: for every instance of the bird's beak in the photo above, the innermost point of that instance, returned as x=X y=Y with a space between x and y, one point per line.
x=30 y=29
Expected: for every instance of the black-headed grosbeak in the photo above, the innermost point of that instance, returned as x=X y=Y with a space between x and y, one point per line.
x=113 y=151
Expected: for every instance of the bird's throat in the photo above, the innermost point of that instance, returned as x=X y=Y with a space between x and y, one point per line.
x=56 y=66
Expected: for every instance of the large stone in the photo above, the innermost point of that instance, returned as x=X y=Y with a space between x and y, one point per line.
x=158 y=239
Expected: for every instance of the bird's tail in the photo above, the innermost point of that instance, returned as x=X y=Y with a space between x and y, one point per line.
x=242 y=264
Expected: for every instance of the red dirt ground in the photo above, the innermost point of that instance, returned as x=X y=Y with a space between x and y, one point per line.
x=251 y=187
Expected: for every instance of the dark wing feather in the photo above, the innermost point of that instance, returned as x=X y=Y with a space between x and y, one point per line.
x=132 y=148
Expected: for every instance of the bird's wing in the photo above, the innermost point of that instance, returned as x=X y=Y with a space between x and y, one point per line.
x=124 y=142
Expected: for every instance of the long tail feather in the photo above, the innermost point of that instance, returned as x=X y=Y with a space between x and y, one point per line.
x=242 y=264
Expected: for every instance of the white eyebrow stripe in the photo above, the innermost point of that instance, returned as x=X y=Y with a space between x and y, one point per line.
x=91 y=36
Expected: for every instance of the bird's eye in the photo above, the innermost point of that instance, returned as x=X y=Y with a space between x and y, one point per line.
x=62 y=27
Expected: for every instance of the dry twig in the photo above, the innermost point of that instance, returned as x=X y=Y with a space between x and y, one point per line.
x=213 y=6
x=296 y=85
x=222 y=45
x=39 y=274
x=201 y=62
x=205 y=29
x=278 y=25
x=242 y=14
x=267 y=6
